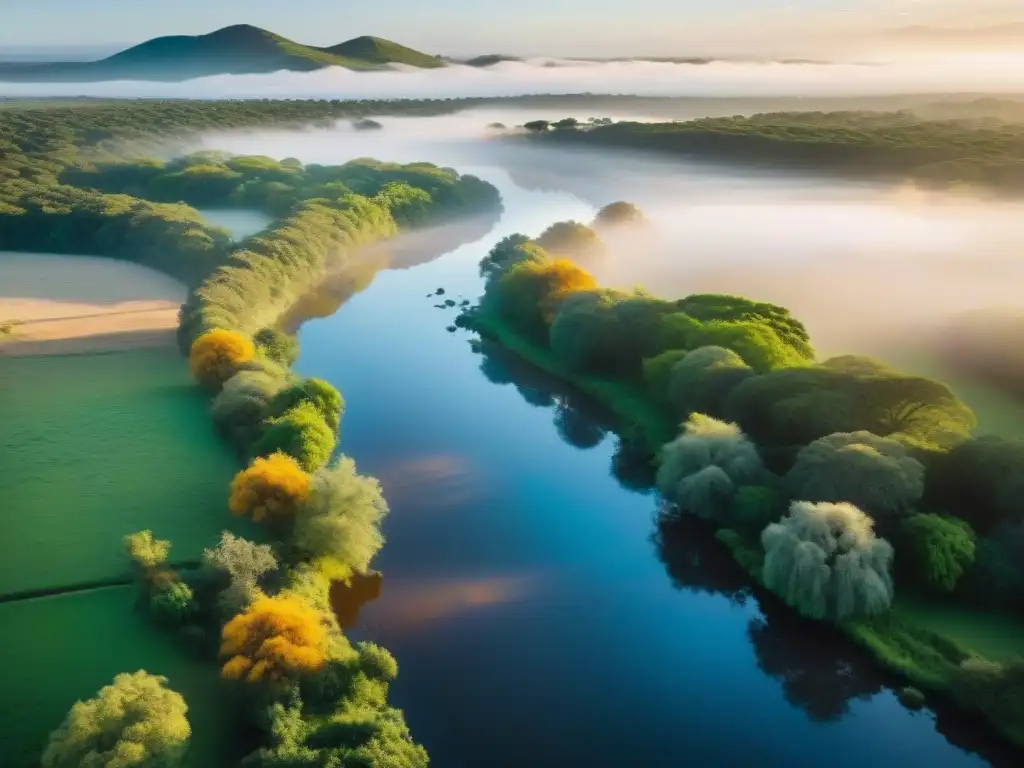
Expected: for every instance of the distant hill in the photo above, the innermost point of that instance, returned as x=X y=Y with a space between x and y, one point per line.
x=239 y=49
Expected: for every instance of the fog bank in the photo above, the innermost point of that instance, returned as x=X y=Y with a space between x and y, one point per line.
x=975 y=72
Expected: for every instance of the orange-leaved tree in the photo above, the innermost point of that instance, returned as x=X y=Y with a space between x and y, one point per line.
x=269 y=489
x=216 y=356
x=531 y=292
x=277 y=638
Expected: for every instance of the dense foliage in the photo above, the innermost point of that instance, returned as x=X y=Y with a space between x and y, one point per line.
x=275 y=639
x=905 y=144
x=217 y=355
x=135 y=722
x=270 y=489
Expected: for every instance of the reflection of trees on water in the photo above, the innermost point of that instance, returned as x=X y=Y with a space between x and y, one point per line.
x=695 y=561
x=578 y=420
x=347 y=598
x=821 y=672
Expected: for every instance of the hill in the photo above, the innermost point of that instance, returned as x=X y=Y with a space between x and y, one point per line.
x=376 y=50
x=238 y=49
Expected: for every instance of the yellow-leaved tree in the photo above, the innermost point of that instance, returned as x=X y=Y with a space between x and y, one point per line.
x=270 y=489
x=277 y=638
x=216 y=356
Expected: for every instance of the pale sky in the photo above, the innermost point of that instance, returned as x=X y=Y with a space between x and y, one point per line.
x=552 y=27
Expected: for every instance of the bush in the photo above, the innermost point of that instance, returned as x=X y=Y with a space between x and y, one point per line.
x=871 y=472
x=277 y=345
x=701 y=469
x=270 y=489
x=376 y=662
x=146 y=552
x=824 y=561
x=911 y=698
x=134 y=721
x=318 y=393
x=174 y=604
x=216 y=356
x=340 y=518
x=277 y=638
x=300 y=432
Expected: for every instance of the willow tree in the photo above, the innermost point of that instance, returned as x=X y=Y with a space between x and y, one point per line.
x=871 y=472
x=702 y=468
x=826 y=562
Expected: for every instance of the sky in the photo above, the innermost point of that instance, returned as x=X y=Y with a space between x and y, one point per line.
x=466 y=27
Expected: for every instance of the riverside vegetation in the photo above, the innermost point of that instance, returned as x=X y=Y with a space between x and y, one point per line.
x=262 y=609
x=839 y=485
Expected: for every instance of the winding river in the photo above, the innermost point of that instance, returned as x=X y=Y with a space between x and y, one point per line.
x=538 y=615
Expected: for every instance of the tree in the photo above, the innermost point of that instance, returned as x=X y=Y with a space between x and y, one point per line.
x=340 y=519
x=174 y=603
x=537 y=126
x=699 y=382
x=216 y=356
x=571 y=240
x=277 y=345
x=244 y=564
x=873 y=473
x=322 y=396
x=998 y=574
x=795 y=406
x=276 y=639
x=618 y=214
x=941 y=549
x=507 y=252
x=980 y=480
x=701 y=468
x=530 y=292
x=300 y=432
x=241 y=407
x=270 y=489
x=146 y=552
x=134 y=721
x=825 y=561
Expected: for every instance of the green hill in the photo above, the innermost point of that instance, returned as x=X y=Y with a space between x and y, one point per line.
x=378 y=51
x=239 y=49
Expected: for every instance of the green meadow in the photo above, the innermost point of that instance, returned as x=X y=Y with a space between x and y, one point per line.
x=60 y=649
x=98 y=446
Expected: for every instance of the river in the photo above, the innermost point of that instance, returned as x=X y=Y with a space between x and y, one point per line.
x=536 y=617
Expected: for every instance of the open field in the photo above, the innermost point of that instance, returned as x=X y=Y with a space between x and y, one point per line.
x=60 y=649
x=97 y=446
x=61 y=304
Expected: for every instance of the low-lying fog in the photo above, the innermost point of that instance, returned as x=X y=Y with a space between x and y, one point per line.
x=928 y=73
x=867 y=266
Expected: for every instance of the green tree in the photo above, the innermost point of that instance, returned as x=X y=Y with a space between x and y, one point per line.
x=300 y=432
x=135 y=721
x=941 y=548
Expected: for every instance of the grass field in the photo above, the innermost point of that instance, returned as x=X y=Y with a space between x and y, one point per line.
x=997 y=636
x=60 y=649
x=98 y=446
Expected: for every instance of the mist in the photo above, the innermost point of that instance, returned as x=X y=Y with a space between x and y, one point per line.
x=869 y=267
x=967 y=72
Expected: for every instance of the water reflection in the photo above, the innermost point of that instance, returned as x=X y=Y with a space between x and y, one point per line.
x=430 y=482
x=414 y=606
x=695 y=561
x=347 y=598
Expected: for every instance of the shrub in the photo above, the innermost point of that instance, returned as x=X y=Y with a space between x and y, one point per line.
x=174 y=604
x=911 y=697
x=270 y=489
x=216 y=356
x=341 y=516
x=824 y=560
x=376 y=663
x=146 y=552
x=317 y=392
x=701 y=468
x=134 y=721
x=941 y=549
x=277 y=638
x=300 y=432
x=277 y=345
x=871 y=472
